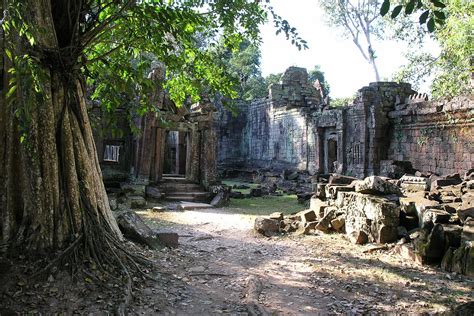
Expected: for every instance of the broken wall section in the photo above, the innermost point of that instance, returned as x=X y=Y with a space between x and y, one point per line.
x=436 y=136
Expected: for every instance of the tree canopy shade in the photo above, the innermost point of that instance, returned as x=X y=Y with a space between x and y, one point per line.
x=55 y=52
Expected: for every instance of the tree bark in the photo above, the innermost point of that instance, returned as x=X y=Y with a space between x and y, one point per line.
x=51 y=189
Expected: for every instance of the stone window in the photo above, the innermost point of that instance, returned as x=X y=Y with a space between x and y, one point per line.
x=111 y=153
x=356 y=154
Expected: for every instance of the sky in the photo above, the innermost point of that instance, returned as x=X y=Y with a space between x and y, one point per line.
x=345 y=69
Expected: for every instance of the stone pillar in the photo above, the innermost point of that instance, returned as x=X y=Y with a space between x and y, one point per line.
x=320 y=150
x=208 y=157
x=193 y=172
x=159 y=156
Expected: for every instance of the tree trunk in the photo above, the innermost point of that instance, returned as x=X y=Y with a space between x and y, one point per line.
x=51 y=189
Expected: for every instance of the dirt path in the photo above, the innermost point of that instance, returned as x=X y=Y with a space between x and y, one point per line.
x=221 y=266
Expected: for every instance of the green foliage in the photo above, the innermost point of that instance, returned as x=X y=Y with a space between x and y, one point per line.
x=433 y=15
x=339 y=102
x=318 y=74
x=451 y=70
x=115 y=43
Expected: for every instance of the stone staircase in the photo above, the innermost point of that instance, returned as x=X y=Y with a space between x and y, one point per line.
x=177 y=188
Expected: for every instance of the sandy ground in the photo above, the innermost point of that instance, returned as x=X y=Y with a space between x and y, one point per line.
x=220 y=257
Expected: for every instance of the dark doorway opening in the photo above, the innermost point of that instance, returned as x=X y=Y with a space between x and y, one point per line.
x=175 y=155
x=332 y=154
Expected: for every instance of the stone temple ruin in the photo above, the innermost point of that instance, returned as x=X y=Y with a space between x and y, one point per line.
x=387 y=124
x=392 y=167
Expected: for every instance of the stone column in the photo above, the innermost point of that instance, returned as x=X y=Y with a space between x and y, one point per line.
x=192 y=174
x=208 y=157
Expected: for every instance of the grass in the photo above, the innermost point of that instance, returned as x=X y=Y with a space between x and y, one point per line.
x=266 y=205
x=233 y=182
x=286 y=204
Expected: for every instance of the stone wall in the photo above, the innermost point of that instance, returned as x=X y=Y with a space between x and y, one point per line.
x=435 y=136
x=294 y=129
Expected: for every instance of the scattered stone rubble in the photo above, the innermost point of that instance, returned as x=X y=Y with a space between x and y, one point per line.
x=425 y=218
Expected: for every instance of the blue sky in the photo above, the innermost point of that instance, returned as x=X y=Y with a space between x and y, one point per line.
x=343 y=65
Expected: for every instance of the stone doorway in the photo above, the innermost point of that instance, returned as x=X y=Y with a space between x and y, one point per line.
x=175 y=153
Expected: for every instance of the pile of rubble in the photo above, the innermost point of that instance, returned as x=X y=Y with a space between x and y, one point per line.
x=274 y=183
x=427 y=219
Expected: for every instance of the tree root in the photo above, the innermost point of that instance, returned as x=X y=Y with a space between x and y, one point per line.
x=252 y=294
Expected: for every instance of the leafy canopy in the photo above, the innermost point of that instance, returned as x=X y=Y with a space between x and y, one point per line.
x=114 y=44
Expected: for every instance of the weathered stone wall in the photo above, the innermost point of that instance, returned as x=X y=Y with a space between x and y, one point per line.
x=231 y=146
x=294 y=129
x=435 y=136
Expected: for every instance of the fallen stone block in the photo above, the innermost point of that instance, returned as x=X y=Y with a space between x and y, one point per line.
x=431 y=245
x=135 y=229
x=333 y=190
x=468 y=231
x=266 y=226
x=376 y=185
x=289 y=226
x=338 y=179
x=276 y=215
x=467 y=207
x=452 y=235
x=436 y=216
x=414 y=184
x=469 y=175
x=308 y=216
x=338 y=224
x=324 y=224
x=306 y=228
x=153 y=193
x=221 y=199
x=137 y=202
x=318 y=206
x=463 y=259
x=320 y=191
x=416 y=205
x=377 y=217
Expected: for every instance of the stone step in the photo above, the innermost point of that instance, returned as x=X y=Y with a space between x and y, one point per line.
x=174 y=178
x=188 y=196
x=180 y=187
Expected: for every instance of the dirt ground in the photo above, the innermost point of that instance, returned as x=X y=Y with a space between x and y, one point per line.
x=220 y=258
x=223 y=267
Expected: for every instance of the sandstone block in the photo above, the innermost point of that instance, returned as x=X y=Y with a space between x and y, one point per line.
x=377 y=217
x=137 y=202
x=308 y=216
x=376 y=185
x=135 y=229
x=338 y=223
x=324 y=224
x=266 y=226
x=318 y=206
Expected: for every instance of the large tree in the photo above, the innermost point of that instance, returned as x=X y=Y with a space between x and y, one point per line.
x=360 y=21
x=55 y=52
